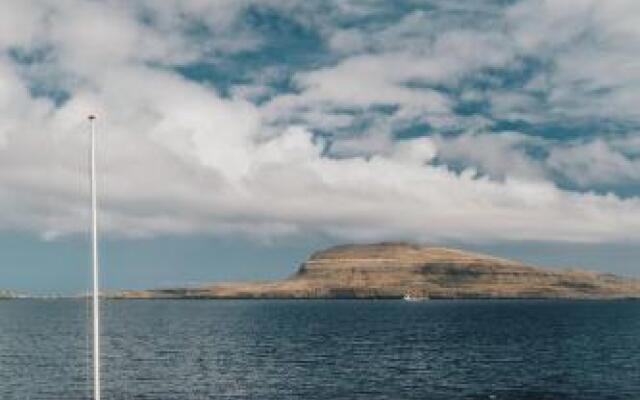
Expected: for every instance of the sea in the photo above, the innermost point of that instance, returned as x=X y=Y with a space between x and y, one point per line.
x=323 y=349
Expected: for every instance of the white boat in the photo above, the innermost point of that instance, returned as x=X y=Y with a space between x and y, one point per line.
x=410 y=297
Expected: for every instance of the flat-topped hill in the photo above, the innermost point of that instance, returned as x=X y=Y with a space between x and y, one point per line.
x=393 y=270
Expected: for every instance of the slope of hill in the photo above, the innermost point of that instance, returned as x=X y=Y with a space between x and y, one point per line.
x=393 y=270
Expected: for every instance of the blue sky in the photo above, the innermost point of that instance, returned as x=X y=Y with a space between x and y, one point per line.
x=237 y=136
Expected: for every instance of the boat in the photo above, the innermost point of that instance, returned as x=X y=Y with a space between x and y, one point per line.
x=411 y=297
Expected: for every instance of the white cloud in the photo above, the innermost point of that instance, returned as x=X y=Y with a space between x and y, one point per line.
x=607 y=161
x=176 y=157
x=497 y=155
x=591 y=47
x=596 y=162
x=586 y=51
x=20 y=22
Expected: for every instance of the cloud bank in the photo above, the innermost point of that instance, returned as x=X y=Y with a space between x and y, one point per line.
x=436 y=121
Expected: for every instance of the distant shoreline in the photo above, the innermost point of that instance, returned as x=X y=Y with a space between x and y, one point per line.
x=311 y=299
x=394 y=270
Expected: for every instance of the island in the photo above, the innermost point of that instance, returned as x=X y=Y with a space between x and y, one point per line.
x=411 y=271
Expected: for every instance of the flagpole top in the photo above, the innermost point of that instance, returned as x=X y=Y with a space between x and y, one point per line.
x=91 y=117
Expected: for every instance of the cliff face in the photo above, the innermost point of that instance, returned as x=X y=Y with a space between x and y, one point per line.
x=393 y=270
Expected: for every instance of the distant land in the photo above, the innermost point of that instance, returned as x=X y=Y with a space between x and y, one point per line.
x=8 y=294
x=395 y=270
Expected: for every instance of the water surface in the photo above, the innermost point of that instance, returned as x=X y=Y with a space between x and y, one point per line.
x=332 y=349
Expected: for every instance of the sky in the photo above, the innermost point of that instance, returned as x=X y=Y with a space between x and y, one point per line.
x=236 y=136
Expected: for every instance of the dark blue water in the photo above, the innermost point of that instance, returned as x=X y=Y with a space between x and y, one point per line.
x=325 y=350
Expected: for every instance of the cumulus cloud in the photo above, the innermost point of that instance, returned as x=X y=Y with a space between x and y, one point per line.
x=603 y=161
x=496 y=155
x=597 y=162
x=179 y=156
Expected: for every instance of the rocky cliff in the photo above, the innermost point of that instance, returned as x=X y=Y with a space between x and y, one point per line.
x=393 y=270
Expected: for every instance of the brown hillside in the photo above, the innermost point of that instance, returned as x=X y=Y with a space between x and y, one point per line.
x=393 y=270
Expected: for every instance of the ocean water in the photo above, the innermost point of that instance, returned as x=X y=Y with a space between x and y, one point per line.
x=351 y=349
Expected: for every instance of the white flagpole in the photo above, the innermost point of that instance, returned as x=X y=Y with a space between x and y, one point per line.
x=94 y=258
